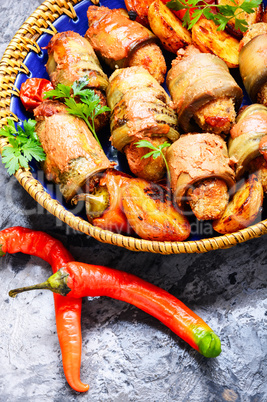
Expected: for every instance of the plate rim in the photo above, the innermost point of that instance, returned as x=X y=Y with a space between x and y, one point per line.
x=11 y=64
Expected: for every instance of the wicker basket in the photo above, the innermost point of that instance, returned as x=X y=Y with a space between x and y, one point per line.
x=11 y=64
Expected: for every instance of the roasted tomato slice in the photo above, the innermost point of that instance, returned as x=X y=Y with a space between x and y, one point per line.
x=32 y=92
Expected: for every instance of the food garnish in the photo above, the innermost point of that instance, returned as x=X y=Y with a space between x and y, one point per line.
x=25 y=145
x=87 y=108
x=155 y=153
x=223 y=14
x=32 y=92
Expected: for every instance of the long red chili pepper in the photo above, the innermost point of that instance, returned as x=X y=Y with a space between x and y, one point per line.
x=79 y=280
x=68 y=310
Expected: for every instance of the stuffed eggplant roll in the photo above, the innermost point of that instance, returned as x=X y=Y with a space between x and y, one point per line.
x=201 y=174
x=140 y=110
x=121 y=42
x=72 y=153
x=253 y=62
x=247 y=143
x=204 y=93
x=71 y=57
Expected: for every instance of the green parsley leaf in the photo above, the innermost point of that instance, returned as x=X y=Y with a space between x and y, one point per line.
x=223 y=14
x=249 y=5
x=78 y=86
x=88 y=105
x=24 y=145
x=61 y=91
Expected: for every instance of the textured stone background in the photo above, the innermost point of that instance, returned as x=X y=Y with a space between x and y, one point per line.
x=128 y=355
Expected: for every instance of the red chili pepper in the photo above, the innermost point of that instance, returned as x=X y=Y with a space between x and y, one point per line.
x=32 y=92
x=81 y=280
x=68 y=310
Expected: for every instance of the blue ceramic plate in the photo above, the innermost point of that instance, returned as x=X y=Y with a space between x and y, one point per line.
x=36 y=65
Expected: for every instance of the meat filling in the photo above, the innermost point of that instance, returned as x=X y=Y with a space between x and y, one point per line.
x=262 y=95
x=217 y=116
x=208 y=198
x=151 y=58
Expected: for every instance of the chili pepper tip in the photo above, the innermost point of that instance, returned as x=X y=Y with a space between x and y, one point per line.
x=209 y=345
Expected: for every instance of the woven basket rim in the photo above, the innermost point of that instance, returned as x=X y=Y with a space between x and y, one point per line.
x=11 y=65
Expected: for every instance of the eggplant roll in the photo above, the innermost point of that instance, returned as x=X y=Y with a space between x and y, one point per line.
x=246 y=136
x=204 y=93
x=121 y=42
x=140 y=109
x=253 y=63
x=196 y=159
x=71 y=57
x=72 y=153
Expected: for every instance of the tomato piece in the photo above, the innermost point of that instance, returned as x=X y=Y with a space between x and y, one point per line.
x=32 y=92
x=140 y=8
x=180 y=14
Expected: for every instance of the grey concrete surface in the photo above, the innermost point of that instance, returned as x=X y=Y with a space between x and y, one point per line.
x=128 y=355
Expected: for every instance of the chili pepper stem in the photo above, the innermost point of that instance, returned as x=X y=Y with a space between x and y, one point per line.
x=95 y=203
x=57 y=283
x=1 y=251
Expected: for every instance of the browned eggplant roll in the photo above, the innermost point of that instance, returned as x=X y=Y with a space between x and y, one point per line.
x=121 y=42
x=246 y=136
x=140 y=109
x=71 y=57
x=204 y=93
x=201 y=174
x=72 y=153
x=252 y=62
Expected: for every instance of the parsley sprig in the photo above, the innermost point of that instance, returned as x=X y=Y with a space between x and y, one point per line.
x=88 y=107
x=223 y=14
x=156 y=152
x=25 y=145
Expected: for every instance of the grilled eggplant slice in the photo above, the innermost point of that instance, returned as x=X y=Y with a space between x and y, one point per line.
x=72 y=153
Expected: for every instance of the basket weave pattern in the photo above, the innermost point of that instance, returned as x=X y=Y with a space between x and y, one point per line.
x=12 y=63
